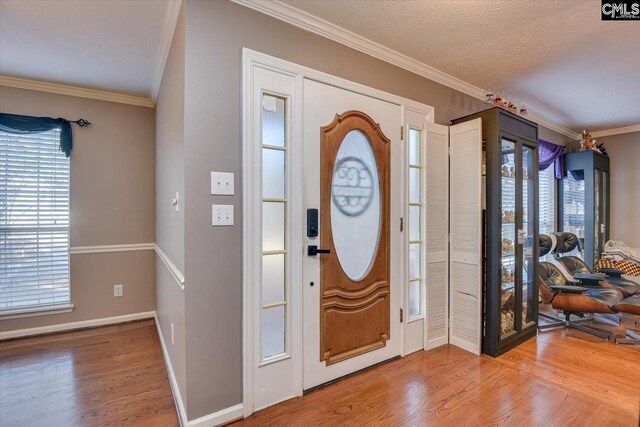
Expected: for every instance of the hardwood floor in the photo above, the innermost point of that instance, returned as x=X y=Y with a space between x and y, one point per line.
x=107 y=376
x=562 y=377
x=115 y=376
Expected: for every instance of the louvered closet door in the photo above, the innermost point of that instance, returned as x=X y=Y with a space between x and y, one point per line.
x=437 y=244
x=465 y=292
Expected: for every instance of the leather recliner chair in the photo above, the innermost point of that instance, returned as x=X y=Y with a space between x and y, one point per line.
x=571 y=266
x=576 y=300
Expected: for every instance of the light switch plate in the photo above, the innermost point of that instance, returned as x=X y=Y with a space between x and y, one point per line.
x=221 y=184
x=221 y=215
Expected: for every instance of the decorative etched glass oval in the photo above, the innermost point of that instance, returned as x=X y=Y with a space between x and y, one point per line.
x=355 y=205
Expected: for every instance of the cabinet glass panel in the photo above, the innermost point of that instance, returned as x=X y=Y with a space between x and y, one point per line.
x=596 y=217
x=573 y=200
x=526 y=237
x=508 y=204
x=603 y=230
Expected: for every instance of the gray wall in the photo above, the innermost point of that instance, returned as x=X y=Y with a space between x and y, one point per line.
x=624 y=162
x=215 y=33
x=169 y=223
x=112 y=203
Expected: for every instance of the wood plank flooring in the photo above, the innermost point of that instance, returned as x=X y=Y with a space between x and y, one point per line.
x=115 y=376
x=562 y=377
x=107 y=376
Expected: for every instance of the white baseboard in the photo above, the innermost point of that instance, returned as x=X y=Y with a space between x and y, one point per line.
x=76 y=325
x=436 y=343
x=210 y=420
x=175 y=390
x=221 y=417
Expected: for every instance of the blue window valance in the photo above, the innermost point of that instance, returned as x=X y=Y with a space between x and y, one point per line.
x=17 y=124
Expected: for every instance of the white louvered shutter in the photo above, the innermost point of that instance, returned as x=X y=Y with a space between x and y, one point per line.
x=34 y=221
x=465 y=210
x=437 y=244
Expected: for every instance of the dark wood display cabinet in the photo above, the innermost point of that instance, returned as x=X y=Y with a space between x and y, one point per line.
x=583 y=207
x=510 y=152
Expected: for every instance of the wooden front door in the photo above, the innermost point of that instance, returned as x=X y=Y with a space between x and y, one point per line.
x=352 y=175
x=354 y=276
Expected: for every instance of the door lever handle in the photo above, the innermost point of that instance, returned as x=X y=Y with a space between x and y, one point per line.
x=313 y=250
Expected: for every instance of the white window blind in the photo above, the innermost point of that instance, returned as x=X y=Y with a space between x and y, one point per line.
x=547 y=197
x=34 y=221
x=547 y=206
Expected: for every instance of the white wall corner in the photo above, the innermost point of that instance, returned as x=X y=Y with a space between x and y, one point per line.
x=166 y=37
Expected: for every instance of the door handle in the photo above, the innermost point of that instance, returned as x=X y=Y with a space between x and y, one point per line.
x=313 y=250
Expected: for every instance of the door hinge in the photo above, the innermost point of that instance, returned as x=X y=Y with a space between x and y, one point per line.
x=401 y=224
x=402 y=133
x=401 y=316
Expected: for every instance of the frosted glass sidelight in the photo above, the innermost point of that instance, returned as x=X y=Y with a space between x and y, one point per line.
x=414 y=261
x=273 y=331
x=414 y=298
x=273 y=121
x=414 y=223
x=355 y=205
x=273 y=226
x=273 y=279
x=414 y=147
x=414 y=185
x=273 y=173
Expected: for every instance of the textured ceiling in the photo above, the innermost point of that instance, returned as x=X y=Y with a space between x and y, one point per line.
x=100 y=44
x=557 y=57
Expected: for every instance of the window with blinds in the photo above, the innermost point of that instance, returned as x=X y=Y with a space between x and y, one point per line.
x=547 y=197
x=34 y=221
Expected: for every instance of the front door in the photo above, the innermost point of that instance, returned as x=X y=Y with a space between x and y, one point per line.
x=351 y=272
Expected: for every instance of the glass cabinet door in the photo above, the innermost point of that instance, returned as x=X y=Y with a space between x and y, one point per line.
x=604 y=233
x=573 y=207
x=526 y=236
x=596 y=217
x=508 y=253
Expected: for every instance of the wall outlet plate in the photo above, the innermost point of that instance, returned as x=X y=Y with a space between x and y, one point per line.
x=221 y=184
x=118 y=290
x=221 y=215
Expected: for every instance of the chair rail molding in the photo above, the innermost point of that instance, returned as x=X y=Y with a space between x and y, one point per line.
x=78 y=250
x=177 y=275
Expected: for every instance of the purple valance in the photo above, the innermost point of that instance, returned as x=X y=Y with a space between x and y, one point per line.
x=551 y=153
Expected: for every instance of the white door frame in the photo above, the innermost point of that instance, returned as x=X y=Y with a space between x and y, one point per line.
x=251 y=186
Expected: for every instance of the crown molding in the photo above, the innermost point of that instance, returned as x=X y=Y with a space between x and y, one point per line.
x=554 y=126
x=616 y=131
x=166 y=37
x=326 y=29
x=80 y=92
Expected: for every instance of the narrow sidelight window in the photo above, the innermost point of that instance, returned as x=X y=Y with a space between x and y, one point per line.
x=274 y=223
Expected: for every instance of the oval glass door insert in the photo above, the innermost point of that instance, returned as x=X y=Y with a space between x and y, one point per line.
x=355 y=205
